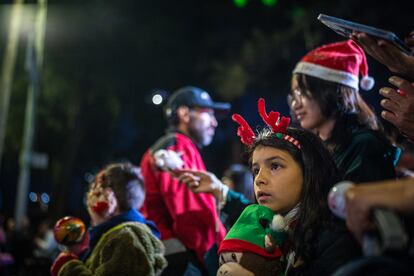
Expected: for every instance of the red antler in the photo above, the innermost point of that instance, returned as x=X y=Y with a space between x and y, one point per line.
x=244 y=131
x=272 y=119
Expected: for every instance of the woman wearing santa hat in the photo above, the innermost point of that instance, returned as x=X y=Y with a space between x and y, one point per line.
x=325 y=99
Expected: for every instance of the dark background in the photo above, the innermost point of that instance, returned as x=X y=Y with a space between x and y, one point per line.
x=104 y=59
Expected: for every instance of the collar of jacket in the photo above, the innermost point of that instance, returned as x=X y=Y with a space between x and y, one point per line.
x=97 y=231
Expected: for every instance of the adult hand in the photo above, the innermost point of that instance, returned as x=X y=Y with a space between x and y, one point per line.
x=386 y=53
x=358 y=211
x=396 y=195
x=399 y=105
x=201 y=182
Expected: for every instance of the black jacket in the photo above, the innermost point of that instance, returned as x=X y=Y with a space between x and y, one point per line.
x=335 y=246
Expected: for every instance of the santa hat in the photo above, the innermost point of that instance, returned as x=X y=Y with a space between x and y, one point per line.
x=341 y=62
x=258 y=230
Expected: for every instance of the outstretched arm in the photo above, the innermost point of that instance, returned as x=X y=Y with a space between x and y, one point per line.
x=397 y=195
x=201 y=182
x=230 y=202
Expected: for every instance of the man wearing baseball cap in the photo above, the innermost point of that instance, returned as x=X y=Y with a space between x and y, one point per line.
x=188 y=221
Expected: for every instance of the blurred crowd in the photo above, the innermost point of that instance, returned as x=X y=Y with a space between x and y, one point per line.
x=29 y=250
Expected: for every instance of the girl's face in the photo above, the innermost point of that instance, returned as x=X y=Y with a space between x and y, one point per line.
x=306 y=110
x=277 y=179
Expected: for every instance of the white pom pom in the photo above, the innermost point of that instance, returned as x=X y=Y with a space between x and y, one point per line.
x=367 y=83
x=174 y=161
x=278 y=223
x=160 y=156
x=168 y=160
x=159 y=163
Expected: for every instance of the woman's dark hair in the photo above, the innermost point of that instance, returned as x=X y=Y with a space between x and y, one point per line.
x=341 y=102
x=319 y=175
x=127 y=183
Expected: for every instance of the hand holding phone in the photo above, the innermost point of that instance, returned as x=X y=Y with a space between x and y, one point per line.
x=384 y=52
x=384 y=46
x=347 y=28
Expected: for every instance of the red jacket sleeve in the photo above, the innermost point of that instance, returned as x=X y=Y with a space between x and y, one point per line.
x=154 y=206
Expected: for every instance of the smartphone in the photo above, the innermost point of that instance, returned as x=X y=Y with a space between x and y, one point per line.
x=346 y=28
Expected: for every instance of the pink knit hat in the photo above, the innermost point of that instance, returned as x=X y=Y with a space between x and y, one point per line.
x=341 y=62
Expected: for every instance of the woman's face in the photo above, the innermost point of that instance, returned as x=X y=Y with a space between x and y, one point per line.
x=277 y=179
x=306 y=110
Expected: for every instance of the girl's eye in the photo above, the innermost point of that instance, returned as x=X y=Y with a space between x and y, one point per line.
x=255 y=171
x=275 y=166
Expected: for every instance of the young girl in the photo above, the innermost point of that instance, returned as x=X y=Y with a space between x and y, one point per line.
x=325 y=100
x=293 y=172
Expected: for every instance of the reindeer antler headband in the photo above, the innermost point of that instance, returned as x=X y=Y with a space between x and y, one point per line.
x=272 y=119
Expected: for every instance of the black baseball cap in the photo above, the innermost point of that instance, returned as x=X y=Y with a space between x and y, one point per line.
x=192 y=97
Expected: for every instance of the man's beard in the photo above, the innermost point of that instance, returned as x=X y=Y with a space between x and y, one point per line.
x=199 y=136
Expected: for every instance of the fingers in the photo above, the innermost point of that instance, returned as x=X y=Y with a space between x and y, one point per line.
x=389 y=48
x=190 y=180
x=390 y=117
x=359 y=227
x=357 y=210
x=188 y=177
x=390 y=105
x=364 y=39
x=402 y=84
x=185 y=171
x=393 y=118
x=374 y=47
x=383 y=51
x=193 y=185
x=406 y=127
x=391 y=94
x=368 y=44
x=402 y=96
x=189 y=171
x=398 y=104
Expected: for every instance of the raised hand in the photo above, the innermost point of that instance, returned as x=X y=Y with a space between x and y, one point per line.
x=398 y=104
